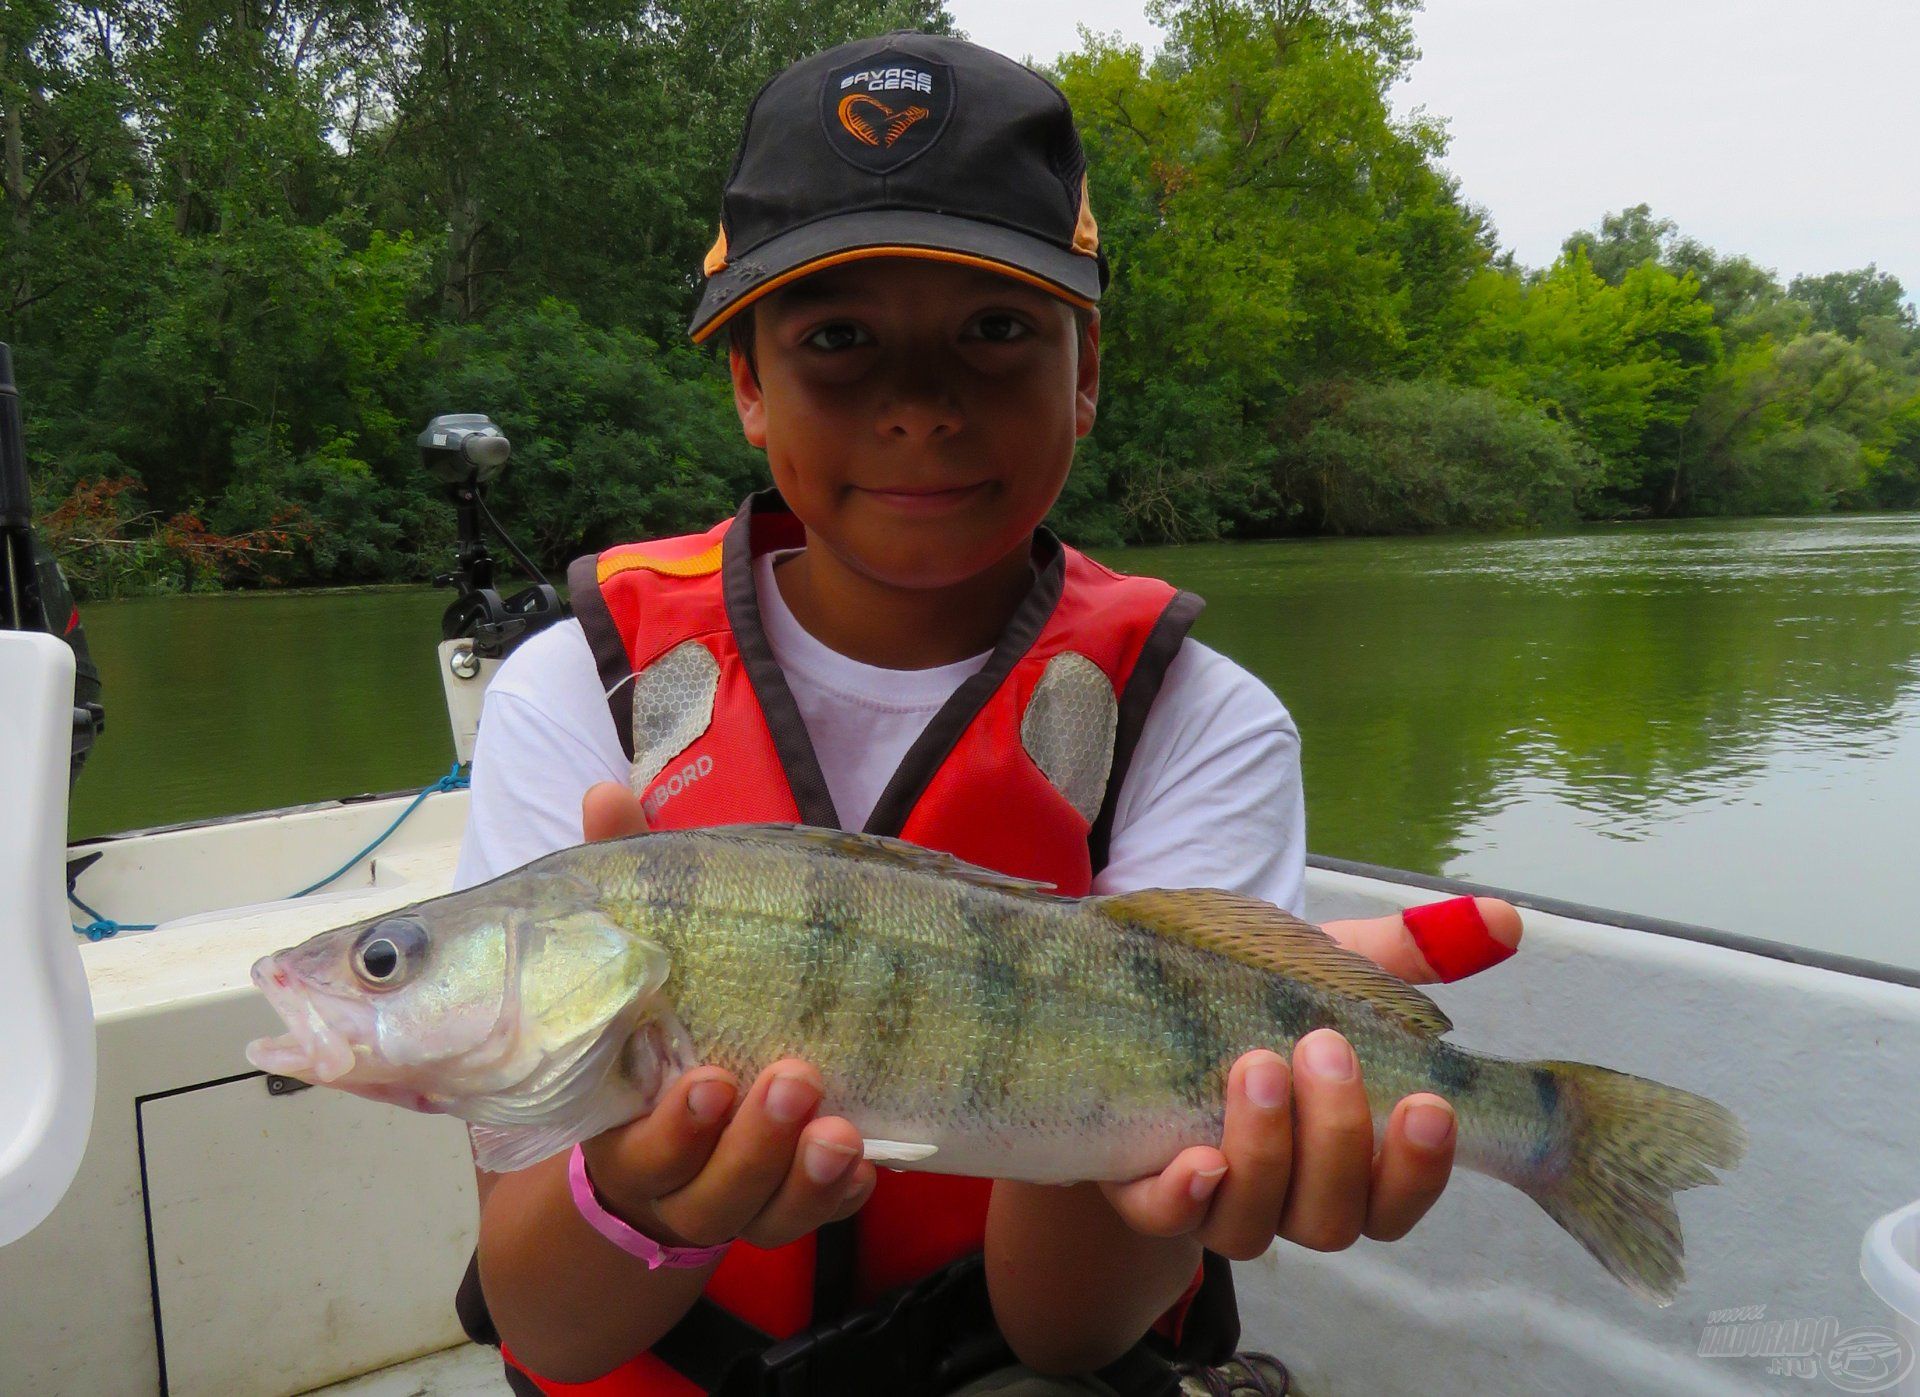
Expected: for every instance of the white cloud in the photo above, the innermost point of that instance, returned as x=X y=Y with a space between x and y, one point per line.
x=1785 y=131
x=1775 y=128
x=1023 y=29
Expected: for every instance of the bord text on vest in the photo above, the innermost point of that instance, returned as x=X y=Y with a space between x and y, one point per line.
x=676 y=783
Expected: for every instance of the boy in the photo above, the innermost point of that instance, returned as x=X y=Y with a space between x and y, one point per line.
x=908 y=270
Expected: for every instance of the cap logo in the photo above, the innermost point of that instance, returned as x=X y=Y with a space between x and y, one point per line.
x=859 y=113
x=883 y=111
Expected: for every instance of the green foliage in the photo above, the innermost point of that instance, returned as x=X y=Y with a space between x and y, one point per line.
x=247 y=251
x=1624 y=241
x=1414 y=456
x=1843 y=302
x=1893 y=470
x=1624 y=365
x=351 y=525
x=614 y=437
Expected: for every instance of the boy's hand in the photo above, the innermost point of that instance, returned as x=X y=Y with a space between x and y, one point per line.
x=707 y=1165
x=1297 y=1158
x=698 y=1171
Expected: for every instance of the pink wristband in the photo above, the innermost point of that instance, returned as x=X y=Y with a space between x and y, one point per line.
x=628 y=1239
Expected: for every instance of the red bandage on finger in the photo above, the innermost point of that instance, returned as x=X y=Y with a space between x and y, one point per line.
x=1453 y=936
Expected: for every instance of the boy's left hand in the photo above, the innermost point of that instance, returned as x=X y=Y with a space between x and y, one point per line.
x=1297 y=1158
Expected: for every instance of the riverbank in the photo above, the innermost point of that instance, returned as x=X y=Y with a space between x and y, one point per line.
x=174 y=583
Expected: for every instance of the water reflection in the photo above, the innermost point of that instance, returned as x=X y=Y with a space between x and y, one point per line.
x=1715 y=722
x=228 y=703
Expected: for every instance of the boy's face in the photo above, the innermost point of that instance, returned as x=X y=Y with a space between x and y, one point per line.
x=919 y=417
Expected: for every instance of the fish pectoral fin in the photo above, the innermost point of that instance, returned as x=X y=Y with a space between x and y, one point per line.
x=657 y=1055
x=580 y=1094
x=501 y=1149
x=1259 y=934
x=897 y=1151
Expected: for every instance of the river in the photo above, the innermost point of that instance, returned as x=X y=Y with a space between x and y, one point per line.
x=1714 y=722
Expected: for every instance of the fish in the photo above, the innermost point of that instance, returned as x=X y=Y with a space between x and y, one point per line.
x=962 y=1020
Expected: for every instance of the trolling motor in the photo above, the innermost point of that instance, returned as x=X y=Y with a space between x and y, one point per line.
x=467 y=453
x=33 y=592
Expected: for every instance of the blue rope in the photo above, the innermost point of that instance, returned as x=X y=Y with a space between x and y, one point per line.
x=102 y=927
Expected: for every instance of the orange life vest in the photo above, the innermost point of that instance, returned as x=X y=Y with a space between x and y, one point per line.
x=967 y=786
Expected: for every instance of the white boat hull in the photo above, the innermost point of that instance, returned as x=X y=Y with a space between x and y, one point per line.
x=221 y=1239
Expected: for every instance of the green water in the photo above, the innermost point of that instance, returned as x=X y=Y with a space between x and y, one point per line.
x=1718 y=722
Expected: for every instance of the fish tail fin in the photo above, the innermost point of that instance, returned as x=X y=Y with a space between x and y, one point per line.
x=1631 y=1145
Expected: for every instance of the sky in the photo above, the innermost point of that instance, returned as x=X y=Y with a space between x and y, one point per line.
x=1789 y=132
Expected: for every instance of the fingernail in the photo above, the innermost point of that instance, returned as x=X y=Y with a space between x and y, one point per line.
x=1267 y=1084
x=1428 y=1125
x=708 y=1101
x=826 y=1161
x=790 y=1098
x=1204 y=1182
x=1327 y=1056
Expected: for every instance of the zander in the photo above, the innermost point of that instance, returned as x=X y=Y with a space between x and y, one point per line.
x=963 y=1021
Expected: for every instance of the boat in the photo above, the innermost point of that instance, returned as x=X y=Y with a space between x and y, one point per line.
x=173 y=1221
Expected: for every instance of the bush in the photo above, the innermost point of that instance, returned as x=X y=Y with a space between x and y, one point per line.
x=335 y=516
x=1800 y=471
x=1416 y=456
x=107 y=546
x=613 y=437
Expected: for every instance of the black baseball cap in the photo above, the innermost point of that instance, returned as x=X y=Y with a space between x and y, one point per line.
x=906 y=145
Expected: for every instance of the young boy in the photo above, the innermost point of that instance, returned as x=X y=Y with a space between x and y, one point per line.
x=908 y=268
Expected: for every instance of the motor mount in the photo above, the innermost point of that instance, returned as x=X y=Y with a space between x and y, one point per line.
x=467 y=453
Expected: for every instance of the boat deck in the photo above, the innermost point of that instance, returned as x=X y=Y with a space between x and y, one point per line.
x=472 y=1370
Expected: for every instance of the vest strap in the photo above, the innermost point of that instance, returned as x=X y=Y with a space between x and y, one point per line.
x=1136 y=701
x=766 y=510
x=924 y=1339
x=708 y=1343
x=937 y=740
x=921 y=1341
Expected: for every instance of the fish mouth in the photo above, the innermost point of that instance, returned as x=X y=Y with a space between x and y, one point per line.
x=312 y=1049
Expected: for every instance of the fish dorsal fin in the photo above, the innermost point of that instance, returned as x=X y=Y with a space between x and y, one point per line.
x=1259 y=934
x=879 y=848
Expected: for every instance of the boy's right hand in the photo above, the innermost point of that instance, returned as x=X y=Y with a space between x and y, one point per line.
x=708 y=1165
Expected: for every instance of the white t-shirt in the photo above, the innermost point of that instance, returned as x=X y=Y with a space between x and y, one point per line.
x=1212 y=797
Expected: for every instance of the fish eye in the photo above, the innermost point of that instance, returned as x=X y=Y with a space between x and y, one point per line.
x=387 y=949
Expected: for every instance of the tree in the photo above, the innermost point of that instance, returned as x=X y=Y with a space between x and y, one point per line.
x=1409 y=457
x=1271 y=223
x=248 y=247
x=1844 y=301
x=1623 y=365
x=1625 y=240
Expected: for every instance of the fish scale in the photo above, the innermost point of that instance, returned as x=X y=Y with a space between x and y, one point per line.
x=1045 y=1010
x=962 y=1020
